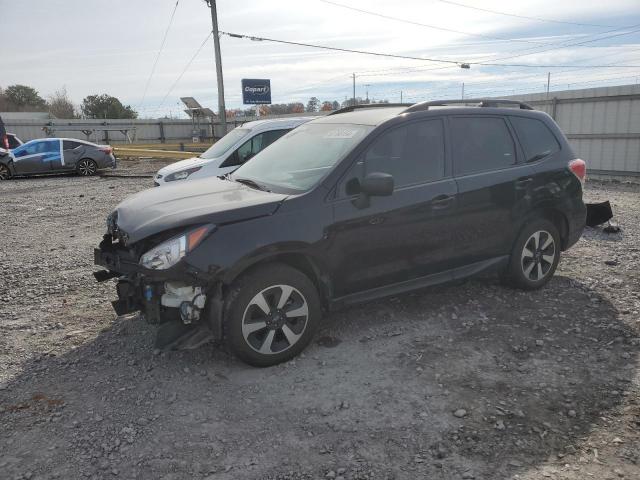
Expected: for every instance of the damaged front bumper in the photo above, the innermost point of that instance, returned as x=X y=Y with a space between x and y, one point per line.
x=177 y=295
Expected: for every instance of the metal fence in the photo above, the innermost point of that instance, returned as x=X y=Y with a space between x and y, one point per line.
x=109 y=131
x=123 y=131
x=602 y=124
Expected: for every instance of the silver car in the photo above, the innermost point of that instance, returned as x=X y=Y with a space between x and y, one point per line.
x=56 y=155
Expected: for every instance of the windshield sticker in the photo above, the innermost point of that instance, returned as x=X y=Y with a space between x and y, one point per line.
x=341 y=133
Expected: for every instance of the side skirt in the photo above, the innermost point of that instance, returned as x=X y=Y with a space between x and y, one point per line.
x=491 y=264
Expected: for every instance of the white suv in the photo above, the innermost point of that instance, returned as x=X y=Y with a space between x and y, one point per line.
x=231 y=151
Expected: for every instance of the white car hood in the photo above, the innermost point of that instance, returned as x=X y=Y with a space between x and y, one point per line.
x=184 y=164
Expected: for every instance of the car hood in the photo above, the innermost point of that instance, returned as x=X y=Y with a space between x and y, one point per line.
x=184 y=164
x=208 y=200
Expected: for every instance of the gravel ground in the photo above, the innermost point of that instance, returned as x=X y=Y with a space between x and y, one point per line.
x=465 y=381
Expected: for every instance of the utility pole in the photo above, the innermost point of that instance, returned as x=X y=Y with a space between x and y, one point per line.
x=222 y=110
x=400 y=96
x=354 y=88
x=366 y=86
x=548 y=82
x=462 y=91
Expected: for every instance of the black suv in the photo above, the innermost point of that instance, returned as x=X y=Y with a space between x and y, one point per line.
x=362 y=203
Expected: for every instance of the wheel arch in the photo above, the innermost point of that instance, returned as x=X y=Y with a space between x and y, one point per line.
x=298 y=260
x=555 y=216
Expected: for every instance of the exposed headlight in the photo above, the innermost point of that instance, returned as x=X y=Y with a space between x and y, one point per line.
x=181 y=175
x=168 y=253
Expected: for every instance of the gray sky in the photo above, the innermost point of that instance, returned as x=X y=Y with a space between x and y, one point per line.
x=91 y=46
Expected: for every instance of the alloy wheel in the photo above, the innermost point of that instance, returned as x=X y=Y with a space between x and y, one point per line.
x=275 y=319
x=86 y=167
x=538 y=255
x=4 y=172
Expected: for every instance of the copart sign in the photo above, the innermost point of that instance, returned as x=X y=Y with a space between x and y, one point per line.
x=256 y=91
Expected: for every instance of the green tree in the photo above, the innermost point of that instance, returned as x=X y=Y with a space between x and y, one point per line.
x=335 y=105
x=24 y=98
x=60 y=105
x=106 y=106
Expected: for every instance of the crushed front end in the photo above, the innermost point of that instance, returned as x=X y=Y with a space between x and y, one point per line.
x=153 y=279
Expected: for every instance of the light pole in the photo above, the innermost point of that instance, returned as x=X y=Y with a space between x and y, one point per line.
x=222 y=111
x=354 y=89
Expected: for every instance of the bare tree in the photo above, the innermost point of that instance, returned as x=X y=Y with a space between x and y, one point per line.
x=60 y=105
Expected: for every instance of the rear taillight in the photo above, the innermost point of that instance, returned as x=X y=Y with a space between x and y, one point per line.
x=106 y=150
x=579 y=169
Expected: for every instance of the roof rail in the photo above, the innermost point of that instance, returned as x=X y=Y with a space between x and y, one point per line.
x=351 y=108
x=478 y=102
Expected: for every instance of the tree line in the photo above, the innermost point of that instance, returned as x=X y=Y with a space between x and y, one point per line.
x=313 y=105
x=23 y=98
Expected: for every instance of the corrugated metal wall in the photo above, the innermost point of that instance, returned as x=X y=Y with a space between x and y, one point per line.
x=144 y=131
x=602 y=124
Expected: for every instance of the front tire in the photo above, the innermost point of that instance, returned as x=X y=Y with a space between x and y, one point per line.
x=272 y=314
x=535 y=256
x=5 y=173
x=87 y=167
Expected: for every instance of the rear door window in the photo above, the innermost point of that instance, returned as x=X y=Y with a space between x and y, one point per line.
x=481 y=144
x=535 y=137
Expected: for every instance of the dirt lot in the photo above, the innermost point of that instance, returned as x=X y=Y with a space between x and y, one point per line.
x=467 y=381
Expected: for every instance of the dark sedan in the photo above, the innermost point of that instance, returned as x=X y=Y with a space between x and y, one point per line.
x=56 y=155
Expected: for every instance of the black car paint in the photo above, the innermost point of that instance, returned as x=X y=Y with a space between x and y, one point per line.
x=420 y=235
x=207 y=200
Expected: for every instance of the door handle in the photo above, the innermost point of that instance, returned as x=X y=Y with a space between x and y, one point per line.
x=442 y=201
x=376 y=220
x=523 y=182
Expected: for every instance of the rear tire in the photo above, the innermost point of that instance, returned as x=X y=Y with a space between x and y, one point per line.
x=5 y=173
x=272 y=314
x=86 y=167
x=535 y=256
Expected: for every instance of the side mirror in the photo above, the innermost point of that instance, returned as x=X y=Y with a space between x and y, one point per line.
x=375 y=184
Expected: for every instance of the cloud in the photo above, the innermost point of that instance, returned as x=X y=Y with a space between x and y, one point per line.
x=95 y=49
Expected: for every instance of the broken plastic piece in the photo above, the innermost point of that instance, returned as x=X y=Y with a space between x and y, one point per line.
x=598 y=213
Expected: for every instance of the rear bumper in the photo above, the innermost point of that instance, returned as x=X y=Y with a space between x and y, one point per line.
x=576 y=223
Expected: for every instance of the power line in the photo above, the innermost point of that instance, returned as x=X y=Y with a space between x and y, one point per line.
x=155 y=63
x=458 y=63
x=324 y=47
x=539 y=19
x=419 y=24
x=186 y=68
x=584 y=42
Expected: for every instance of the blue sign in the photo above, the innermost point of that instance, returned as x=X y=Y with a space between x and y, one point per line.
x=256 y=91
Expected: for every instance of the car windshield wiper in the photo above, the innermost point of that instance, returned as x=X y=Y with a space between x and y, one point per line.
x=251 y=184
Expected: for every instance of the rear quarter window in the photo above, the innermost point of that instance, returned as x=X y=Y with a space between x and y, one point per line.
x=536 y=139
x=70 y=145
x=481 y=144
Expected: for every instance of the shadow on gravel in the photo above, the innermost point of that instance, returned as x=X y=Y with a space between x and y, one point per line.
x=468 y=381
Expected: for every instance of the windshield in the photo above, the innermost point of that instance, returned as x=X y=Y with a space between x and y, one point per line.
x=301 y=158
x=225 y=143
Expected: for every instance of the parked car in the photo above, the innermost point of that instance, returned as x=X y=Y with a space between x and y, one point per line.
x=231 y=151
x=360 y=204
x=56 y=155
x=8 y=141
